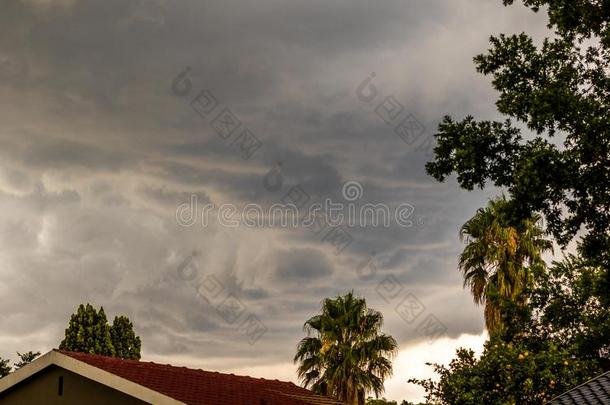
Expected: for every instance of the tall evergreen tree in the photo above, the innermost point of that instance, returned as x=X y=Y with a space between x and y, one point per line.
x=88 y=332
x=125 y=341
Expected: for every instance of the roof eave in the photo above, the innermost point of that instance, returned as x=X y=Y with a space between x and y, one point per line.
x=85 y=370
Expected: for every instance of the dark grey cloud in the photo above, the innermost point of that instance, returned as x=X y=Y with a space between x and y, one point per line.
x=302 y=265
x=97 y=152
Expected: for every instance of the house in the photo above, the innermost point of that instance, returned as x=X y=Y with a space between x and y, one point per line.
x=66 y=378
x=593 y=392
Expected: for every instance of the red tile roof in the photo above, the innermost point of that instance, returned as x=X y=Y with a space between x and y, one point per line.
x=199 y=387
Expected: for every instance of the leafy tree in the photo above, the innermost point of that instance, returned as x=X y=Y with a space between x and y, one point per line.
x=89 y=332
x=5 y=369
x=26 y=358
x=498 y=256
x=568 y=304
x=126 y=344
x=507 y=373
x=558 y=340
x=347 y=356
x=559 y=167
x=559 y=90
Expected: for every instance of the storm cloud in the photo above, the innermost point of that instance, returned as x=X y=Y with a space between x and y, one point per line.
x=97 y=152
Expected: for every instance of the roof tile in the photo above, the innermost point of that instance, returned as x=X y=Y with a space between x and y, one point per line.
x=199 y=387
x=593 y=392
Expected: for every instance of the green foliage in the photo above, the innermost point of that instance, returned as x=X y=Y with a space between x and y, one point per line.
x=126 y=344
x=560 y=91
x=556 y=335
x=507 y=373
x=499 y=258
x=89 y=332
x=555 y=342
x=348 y=356
x=5 y=369
x=572 y=306
x=26 y=358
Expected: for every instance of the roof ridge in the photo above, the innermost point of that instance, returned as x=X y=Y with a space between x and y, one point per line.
x=117 y=359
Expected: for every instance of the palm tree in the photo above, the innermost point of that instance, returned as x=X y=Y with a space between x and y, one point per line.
x=348 y=356
x=499 y=258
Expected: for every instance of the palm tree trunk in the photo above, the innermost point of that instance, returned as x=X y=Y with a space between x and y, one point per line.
x=360 y=397
x=352 y=393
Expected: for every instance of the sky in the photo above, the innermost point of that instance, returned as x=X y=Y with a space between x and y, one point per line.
x=116 y=113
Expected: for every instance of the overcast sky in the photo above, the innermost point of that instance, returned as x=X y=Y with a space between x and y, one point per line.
x=97 y=152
